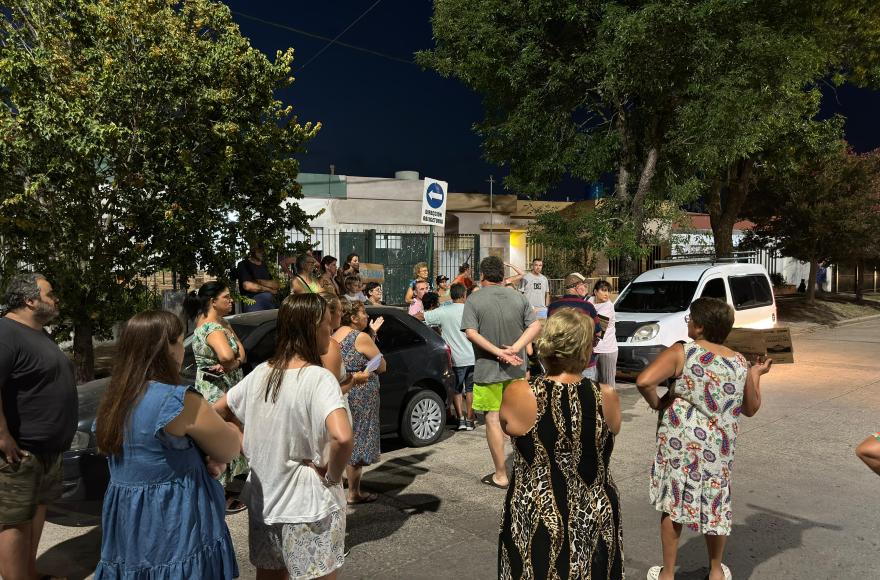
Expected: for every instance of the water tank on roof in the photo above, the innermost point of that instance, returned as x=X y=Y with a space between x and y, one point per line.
x=408 y=175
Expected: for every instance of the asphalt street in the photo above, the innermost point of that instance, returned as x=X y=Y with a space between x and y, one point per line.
x=804 y=506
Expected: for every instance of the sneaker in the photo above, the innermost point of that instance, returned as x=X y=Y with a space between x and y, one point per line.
x=469 y=426
x=462 y=424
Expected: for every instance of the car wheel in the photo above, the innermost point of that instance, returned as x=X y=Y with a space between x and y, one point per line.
x=423 y=419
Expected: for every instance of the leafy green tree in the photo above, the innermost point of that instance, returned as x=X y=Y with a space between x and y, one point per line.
x=137 y=136
x=814 y=202
x=675 y=98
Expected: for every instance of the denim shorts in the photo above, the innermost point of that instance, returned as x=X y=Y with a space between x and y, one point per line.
x=464 y=380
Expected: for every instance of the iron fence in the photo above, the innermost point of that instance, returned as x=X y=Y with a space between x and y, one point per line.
x=398 y=252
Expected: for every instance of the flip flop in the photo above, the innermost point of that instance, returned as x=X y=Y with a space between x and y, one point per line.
x=726 y=570
x=368 y=498
x=654 y=572
x=490 y=481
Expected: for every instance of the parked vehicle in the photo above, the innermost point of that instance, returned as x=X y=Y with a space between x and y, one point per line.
x=653 y=310
x=412 y=391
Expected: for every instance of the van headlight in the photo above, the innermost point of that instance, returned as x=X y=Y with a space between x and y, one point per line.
x=81 y=441
x=646 y=333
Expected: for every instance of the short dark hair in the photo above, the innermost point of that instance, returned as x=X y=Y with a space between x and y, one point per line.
x=715 y=316
x=601 y=285
x=537 y=260
x=21 y=288
x=369 y=287
x=457 y=291
x=430 y=300
x=464 y=268
x=492 y=269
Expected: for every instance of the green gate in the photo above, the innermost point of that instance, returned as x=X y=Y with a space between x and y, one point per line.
x=400 y=252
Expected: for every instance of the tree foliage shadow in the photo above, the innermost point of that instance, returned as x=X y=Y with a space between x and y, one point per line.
x=374 y=521
x=765 y=534
x=74 y=559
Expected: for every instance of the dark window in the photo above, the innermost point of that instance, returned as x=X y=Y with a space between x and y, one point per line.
x=658 y=296
x=395 y=335
x=715 y=289
x=752 y=291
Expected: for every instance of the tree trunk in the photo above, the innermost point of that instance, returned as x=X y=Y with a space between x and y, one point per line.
x=83 y=351
x=811 y=281
x=860 y=267
x=723 y=213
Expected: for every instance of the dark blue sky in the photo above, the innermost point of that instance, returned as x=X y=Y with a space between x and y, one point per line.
x=380 y=115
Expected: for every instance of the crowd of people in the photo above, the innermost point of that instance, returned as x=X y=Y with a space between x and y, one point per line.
x=291 y=429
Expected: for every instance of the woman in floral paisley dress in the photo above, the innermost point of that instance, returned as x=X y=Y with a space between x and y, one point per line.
x=696 y=434
x=218 y=351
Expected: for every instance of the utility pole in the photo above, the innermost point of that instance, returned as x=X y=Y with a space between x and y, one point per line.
x=491 y=181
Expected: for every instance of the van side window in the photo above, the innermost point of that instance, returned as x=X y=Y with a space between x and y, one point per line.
x=715 y=289
x=752 y=291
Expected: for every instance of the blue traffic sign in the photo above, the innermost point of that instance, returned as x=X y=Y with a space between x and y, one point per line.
x=435 y=195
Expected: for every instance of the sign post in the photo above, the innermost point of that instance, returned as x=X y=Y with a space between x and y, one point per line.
x=434 y=202
x=433 y=213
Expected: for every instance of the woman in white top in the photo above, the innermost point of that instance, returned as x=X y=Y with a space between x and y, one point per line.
x=606 y=365
x=297 y=438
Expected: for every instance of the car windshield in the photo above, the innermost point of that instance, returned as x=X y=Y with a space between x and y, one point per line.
x=657 y=296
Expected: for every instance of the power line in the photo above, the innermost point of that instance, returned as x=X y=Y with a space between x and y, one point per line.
x=326 y=38
x=335 y=38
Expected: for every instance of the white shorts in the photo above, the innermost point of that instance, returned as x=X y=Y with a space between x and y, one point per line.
x=305 y=550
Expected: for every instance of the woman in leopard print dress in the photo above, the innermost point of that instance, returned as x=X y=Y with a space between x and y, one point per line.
x=562 y=513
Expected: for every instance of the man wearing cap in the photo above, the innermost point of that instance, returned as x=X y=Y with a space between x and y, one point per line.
x=575 y=286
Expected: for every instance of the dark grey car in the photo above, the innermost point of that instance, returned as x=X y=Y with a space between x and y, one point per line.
x=412 y=393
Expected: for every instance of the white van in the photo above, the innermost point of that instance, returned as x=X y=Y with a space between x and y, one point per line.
x=653 y=310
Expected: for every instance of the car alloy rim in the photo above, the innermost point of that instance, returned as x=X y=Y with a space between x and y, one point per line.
x=426 y=419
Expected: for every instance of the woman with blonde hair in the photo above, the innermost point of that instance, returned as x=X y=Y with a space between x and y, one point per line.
x=420 y=274
x=163 y=514
x=297 y=437
x=561 y=496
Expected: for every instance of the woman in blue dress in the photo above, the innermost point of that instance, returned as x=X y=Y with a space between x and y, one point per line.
x=163 y=514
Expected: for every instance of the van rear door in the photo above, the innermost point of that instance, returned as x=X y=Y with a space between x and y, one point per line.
x=752 y=298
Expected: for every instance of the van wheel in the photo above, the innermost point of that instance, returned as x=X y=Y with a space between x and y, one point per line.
x=423 y=419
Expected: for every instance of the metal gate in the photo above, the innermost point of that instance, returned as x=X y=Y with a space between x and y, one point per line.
x=399 y=252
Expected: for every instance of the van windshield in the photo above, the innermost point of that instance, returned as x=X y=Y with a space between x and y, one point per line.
x=657 y=296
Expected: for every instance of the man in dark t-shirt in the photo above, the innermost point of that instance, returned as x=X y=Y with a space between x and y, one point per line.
x=255 y=282
x=38 y=420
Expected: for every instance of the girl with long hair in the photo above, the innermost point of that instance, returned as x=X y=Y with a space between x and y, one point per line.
x=163 y=514
x=297 y=438
x=327 y=280
x=219 y=355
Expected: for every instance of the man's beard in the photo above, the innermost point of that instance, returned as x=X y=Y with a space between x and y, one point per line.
x=44 y=313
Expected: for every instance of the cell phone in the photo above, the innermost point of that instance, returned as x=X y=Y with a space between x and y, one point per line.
x=210 y=374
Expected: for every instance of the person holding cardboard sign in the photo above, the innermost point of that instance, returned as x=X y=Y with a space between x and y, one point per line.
x=696 y=433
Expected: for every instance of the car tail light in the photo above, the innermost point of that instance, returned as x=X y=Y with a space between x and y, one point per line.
x=449 y=355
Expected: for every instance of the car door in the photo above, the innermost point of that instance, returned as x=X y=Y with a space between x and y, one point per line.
x=404 y=351
x=752 y=299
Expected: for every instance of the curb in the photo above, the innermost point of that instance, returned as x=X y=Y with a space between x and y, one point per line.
x=844 y=322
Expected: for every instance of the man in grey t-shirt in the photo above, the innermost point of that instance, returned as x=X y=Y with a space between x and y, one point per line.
x=500 y=322
x=535 y=286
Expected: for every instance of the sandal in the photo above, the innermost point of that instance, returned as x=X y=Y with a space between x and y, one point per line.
x=490 y=481
x=366 y=498
x=654 y=572
x=726 y=570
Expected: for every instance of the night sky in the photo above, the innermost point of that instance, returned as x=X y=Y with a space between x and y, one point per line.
x=381 y=115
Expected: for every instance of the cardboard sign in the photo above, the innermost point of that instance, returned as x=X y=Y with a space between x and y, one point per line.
x=753 y=343
x=434 y=197
x=372 y=273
